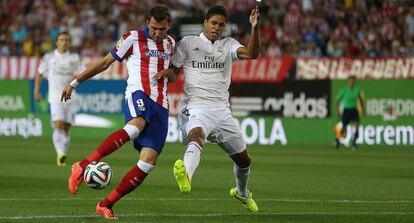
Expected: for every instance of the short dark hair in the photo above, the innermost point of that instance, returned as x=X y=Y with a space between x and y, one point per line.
x=352 y=77
x=62 y=33
x=216 y=10
x=159 y=12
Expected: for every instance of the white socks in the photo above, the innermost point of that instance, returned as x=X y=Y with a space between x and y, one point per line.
x=61 y=140
x=242 y=177
x=192 y=158
x=146 y=167
x=132 y=131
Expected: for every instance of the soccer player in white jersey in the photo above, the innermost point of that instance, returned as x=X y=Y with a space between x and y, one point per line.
x=59 y=66
x=147 y=51
x=206 y=60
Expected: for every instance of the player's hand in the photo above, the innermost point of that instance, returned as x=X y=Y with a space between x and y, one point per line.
x=67 y=92
x=166 y=73
x=254 y=17
x=37 y=96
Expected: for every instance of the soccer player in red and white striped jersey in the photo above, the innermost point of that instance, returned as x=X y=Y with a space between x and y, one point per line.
x=147 y=51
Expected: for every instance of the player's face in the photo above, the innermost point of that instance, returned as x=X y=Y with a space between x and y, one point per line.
x=351 y=82
x=214 y=27
x=63 y=43
x=158 y=30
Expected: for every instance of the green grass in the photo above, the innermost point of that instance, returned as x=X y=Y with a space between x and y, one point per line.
x=290 y=184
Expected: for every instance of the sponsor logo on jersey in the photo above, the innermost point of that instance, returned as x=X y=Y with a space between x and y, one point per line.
x=208 y=63
x=157 y=54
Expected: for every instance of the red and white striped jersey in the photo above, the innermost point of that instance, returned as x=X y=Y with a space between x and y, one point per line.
x=144 y=59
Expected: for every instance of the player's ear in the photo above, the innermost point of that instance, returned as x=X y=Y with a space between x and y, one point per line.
x=205 y=22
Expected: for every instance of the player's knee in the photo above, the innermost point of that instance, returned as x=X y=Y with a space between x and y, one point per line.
x=197 y=135
x=138 y=122
x=246 y=162
x=242 y=159
x=66 y=127
x=59 y=125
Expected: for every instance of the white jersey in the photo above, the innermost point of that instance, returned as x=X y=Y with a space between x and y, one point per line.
x=207 y=69
x=59 y=69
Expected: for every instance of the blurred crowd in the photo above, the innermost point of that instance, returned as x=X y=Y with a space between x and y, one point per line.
x=333 y=28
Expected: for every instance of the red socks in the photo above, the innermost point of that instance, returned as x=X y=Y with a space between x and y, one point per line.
x=111 y=144
x=131 y=180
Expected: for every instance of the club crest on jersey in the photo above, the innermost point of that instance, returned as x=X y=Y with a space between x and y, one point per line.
x=141 y=105
x=220 y=49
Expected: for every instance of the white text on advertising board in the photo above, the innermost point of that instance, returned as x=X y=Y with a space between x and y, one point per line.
x=380 y=134
x=253 y=131
x=25 y=127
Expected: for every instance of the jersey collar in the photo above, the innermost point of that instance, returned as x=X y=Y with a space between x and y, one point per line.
x=204 y=38
x=61 y=54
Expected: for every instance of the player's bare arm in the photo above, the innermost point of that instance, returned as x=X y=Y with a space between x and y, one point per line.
x=252 y=49
x=92 y=70
x=37 y=82
x=171 y=73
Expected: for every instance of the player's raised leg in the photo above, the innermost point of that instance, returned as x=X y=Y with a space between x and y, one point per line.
x=130 y=182
x=111 y=144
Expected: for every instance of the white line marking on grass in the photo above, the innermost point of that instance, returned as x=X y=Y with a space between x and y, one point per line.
x=215 y=199
x=203 y=215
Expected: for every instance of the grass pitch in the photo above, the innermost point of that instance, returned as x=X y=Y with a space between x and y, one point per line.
x=290 y=184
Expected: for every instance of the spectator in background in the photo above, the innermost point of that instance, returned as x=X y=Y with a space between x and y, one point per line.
x=409 y=19
x=310 y=49
x=273 y=49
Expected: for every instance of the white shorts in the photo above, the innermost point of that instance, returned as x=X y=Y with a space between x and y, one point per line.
x=62 y=111
x=217 y=123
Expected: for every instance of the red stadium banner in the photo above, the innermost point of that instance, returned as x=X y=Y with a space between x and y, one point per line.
x=15 y=68
x=20 y=68
x=316 y=68
x=264 y=69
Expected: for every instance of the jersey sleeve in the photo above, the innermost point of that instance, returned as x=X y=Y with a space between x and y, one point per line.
x=180 y=53
x=234 y=45
x=43 y=66
x=124 y=46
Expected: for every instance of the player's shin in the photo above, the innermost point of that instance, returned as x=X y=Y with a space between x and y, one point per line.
x=131 y=180
x=111 y=144
x=356 y=135
x=242 y=177
x=192 y=158
x=58 y=140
